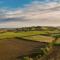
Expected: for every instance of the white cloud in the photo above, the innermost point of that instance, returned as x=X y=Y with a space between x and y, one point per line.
x=33 y=14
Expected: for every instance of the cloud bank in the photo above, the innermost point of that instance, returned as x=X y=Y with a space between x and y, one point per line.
x=36 y=13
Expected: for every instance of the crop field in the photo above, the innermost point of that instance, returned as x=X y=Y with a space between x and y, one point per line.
x=29 y=35
x=15 y=44
x=19 y=34
x=13 y=48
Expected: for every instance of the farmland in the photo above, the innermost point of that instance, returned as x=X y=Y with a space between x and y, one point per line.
x=21 y=42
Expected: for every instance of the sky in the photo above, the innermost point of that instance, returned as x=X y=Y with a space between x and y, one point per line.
x=23 y=13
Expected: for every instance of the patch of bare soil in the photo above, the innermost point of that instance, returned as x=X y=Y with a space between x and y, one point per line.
x=12 y=48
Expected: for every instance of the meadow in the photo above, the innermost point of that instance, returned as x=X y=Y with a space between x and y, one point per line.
x=42 y=36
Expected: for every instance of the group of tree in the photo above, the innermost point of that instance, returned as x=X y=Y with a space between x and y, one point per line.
x=33 y=28
x=37 y=28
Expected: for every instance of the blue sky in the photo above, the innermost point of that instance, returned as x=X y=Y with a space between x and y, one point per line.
x=19 y=3
x=19 y=13
x=14 y=3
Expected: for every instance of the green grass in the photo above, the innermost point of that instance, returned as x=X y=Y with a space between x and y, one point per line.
x=7 y=35
x=19 y=34
x=57 y=44
x=29 y=35
x=40 y=38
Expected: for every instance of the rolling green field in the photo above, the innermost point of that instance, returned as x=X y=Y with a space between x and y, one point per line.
x=30 y=35
x=19 y=34
x=13 y=44
x=11 y=48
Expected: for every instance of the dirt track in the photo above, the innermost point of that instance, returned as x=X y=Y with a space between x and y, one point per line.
x=11 y=49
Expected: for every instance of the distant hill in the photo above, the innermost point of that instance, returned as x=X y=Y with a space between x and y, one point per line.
x=33 y=28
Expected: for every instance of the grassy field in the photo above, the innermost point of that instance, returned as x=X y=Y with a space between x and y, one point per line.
x=29 y=35
x=19 y=34
x=15 y=44
x=11 y=48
